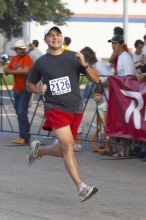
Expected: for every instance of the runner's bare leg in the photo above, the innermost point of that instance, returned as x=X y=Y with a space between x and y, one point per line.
x=65 y=149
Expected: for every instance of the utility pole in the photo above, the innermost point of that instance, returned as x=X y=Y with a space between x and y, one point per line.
x=125 y=20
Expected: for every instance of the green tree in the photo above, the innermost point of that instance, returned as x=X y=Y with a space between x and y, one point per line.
x=14 y=12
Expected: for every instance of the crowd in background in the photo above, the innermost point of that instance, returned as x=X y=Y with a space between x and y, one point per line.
x=121 y=62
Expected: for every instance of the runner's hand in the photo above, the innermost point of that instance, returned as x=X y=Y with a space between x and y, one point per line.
x=81 y=59
x=43 y=89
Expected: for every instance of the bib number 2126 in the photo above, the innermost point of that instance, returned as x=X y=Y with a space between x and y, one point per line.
x=60 y=85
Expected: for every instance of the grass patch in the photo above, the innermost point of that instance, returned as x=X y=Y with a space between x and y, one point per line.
x=9 y=80
x=83 y=80
x=6 y=79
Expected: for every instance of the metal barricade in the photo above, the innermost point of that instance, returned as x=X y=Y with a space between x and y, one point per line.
x=8 y=118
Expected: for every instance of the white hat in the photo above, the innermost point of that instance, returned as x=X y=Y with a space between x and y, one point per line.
x=19 y=44
x=49 y=27
x=4 y=55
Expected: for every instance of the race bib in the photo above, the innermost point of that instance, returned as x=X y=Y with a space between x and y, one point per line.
x=60 y=85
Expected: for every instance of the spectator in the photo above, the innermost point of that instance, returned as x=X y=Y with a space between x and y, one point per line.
x=66 y=43
x=141 y=74
x=19 y=66
x=125 y=67
x=144 y=50
x=137 y=56
x=4 y=58
x=141 y=146
x=99 y=65
x=118 y=31
x=29 y=48
x=35 y=53
x=98 y=97
x=143 y=71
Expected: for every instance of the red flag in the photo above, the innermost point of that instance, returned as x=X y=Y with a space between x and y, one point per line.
x=126 y=115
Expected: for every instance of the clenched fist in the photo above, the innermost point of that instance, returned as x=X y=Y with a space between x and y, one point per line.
x=43 y=89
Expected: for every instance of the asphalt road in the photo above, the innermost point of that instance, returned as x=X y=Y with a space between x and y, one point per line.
x=44 y=191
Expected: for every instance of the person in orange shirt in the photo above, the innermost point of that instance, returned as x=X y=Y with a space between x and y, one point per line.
x=19 y=66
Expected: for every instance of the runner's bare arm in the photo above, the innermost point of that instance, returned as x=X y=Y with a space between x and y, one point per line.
x=92 y=74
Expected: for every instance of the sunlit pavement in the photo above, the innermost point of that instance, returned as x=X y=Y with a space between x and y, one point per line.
x=44 y=191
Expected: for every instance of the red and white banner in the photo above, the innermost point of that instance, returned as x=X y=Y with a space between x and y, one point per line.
x=126 y=115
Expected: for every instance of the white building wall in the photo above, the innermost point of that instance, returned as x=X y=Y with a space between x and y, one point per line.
x=92 y=25
x=105 y=7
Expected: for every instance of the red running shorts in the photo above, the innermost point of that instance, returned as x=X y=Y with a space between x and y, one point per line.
x=57 y=119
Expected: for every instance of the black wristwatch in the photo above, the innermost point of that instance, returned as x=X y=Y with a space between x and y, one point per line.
x=85 y=67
